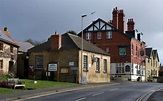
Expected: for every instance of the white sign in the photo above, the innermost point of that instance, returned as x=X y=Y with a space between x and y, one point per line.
x=47 y=73
x=71 y=63
x=52 y=67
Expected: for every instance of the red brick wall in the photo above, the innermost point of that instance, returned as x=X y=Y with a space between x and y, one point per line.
x=117 y=40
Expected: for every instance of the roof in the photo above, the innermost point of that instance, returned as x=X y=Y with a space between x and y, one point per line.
x=148 y=52
x=24 y=46
x=155 y=54
x=5 y=37
x=70 y=41
x=102 y=27
x=151 y=53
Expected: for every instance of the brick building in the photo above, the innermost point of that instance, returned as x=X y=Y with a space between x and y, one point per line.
x=8 y=53
x=59 y=59
x=126 y=47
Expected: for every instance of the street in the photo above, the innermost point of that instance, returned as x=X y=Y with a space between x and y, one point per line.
x=126 y=91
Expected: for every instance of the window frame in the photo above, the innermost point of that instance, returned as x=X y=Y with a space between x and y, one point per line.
x=88 y=36
x=11 y=49
x=1 y=64
x=85 y=63
x=109 y=35
x=1 y=46
x=39 y=61
x=107 y=49
x=105 y=66
x=97 y=64
x=120 y=68
x=99 y=35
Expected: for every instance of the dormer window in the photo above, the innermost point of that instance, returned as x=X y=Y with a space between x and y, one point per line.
x=99 y=35
x=88 y=36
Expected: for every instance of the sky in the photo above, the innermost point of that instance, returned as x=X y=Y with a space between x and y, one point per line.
x=39 y=19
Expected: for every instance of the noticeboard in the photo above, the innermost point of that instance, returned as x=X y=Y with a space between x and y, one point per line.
x=52 y=67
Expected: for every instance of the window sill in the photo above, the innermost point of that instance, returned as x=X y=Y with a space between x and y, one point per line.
x=97 y=71
x=85 y=70
x=104 y=71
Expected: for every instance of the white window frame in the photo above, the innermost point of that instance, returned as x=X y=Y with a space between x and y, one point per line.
x=107 y=49
x=109 y=35
x=88 y=36
x=99 y=36
x=120 y=69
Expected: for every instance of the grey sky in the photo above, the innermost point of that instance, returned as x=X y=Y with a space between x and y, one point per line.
x=38 y=19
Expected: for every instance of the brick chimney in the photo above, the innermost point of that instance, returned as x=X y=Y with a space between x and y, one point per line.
x=121 y=21
x=130 y=25
x=115 y=17
x=55 y=41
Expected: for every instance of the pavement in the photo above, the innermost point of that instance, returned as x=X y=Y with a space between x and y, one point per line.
x=153 y=96
x=156 y=96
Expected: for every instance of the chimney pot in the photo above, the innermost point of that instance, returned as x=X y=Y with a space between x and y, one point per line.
x=5 y=29
x=130 y=24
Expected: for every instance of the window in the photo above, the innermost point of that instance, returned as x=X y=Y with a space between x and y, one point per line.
x=136 y=51
x=132 y=49
x=39 y=62
x=1 y=46
x=98 y=65
x=98 y=35
x=1 y=64
x=138 y=70
x=88 y=36
x=85 y=66
x=109 y=35
x=107 y=49
x=105 y=65
x=11 y=49
x=120 y=68
x=122 y=51
x=127 y=68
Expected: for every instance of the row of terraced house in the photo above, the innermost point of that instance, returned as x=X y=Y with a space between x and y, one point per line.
x=107 y=51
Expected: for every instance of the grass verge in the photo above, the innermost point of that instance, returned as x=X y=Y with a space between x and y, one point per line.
x=30 y=85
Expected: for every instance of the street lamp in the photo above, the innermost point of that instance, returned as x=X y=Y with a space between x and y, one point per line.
x=84 y=15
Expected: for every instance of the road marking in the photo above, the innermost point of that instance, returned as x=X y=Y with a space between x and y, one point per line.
x=97 y=94
x=80 y=99
x=114 y=89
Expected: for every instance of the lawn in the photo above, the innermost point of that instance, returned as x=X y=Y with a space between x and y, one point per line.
x=41 y=84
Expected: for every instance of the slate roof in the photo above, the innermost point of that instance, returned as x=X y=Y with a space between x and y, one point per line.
x=148 y=52
x=24 y=46
x=70 y=41
x=151 y=53
x=155 y=53
x=5 y=37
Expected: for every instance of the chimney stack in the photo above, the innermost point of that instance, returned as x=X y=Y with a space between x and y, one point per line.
x=130 y=25
x=121 y=21
x=115 y=17
x=55 y=41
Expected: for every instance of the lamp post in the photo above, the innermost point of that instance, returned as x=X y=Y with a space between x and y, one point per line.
x=82 y=49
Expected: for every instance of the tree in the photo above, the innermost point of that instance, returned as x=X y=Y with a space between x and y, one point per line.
x=34 y=42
